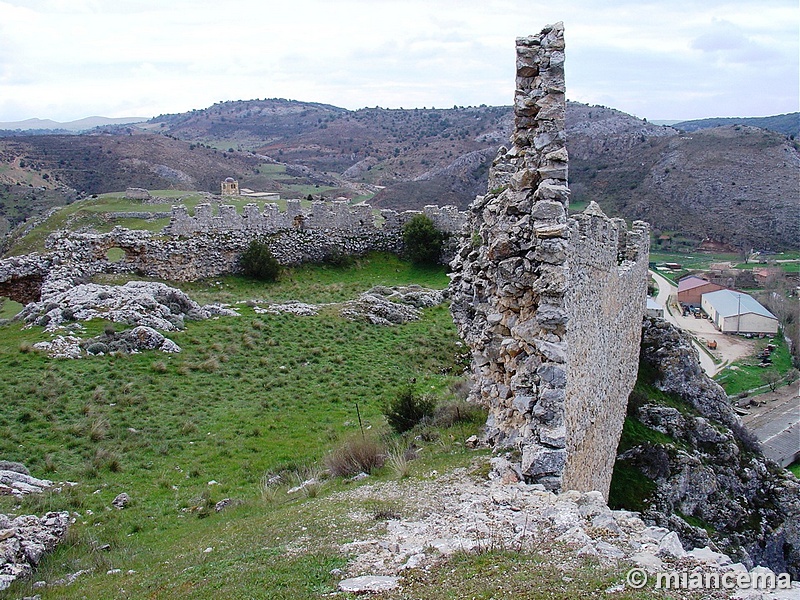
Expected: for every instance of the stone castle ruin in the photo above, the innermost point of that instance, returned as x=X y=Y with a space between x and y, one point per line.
x=550 y=305
x=209 y=242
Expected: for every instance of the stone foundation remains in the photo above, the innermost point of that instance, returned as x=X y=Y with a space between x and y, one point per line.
x=551 y=306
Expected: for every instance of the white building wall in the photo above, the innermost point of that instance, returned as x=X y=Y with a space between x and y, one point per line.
x=750 y=323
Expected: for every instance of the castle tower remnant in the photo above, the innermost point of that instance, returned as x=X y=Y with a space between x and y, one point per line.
x=527 y=276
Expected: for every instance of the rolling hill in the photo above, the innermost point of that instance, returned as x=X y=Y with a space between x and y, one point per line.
x=735 y=185
x=788 y=124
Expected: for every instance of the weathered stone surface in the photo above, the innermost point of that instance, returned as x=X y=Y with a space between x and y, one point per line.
x=369 y=584
x=454 y=512
x=121 y=501
x=26 y=539
x=151 y=304
x=19 y=484
x=391 y=306
x=549 y=306
x=714 y=471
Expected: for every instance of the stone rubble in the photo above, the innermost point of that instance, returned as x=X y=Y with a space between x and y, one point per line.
x=456 y=512
x=380 y=305
x=25 y=539
x=14 y=483
x=121 y=501
x=151 y=304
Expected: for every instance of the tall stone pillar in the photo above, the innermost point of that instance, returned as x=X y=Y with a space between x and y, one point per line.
x=550 y=306
x=510 y=277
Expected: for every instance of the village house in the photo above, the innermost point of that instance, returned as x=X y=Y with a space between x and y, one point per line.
x=692 y=288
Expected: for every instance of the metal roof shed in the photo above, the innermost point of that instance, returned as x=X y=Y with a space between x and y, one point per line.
x=737 y=312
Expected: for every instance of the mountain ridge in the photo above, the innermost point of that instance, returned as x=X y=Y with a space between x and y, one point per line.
x=733 y=185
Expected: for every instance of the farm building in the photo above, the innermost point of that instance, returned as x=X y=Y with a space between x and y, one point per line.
x=736 y=312
x=692 y=288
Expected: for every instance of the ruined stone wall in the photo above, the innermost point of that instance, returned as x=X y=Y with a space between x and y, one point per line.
x=605 y=300
x=352 y=219
x=550 y=306
x=209 y=243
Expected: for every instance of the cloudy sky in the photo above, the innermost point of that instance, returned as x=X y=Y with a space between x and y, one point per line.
x=658 y=59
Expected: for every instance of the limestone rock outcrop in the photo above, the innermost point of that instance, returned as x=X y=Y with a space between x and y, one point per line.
x=713 y=485
x=150 y=304
x=25 y=539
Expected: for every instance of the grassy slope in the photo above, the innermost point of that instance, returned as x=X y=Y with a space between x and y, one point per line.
x=162 y=427
x=745 y=374
x=247 y=395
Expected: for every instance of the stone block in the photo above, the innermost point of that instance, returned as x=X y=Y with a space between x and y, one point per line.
x=538 y=460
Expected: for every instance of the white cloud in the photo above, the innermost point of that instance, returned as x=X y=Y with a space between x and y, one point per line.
x=681 y=59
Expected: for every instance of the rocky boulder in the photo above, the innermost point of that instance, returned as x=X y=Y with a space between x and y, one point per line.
x=151 y=304
x=25 y=539
x=712 y=483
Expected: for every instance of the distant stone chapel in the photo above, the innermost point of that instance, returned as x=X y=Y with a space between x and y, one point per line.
x=230 y=187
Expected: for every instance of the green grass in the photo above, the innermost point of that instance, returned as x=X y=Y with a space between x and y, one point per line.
x=795 y=469
x=311 y=283
x=9 y=308
x=745 y=374
x=630 y=488
x=248 y=395
x=272 y=169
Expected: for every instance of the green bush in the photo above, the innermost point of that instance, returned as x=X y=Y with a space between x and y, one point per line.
x=422 y=241
x=407 y=409
x=257 y=262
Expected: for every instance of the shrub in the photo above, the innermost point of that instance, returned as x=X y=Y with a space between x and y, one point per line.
x=335 y=257
x=257 y=262
x=356 y=455
x=422 y=241
x=407 y=409
x=97 y=348
x=458 y=411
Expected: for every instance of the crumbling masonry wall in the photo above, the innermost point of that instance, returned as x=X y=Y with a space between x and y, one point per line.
x=551 y=306
x=209 y=243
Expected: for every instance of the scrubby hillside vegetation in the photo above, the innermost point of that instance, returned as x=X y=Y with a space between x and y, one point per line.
x=788 y=124
x=735 y=185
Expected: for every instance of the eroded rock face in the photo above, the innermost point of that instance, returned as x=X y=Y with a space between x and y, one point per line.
x=550 y=306
x=713 y=470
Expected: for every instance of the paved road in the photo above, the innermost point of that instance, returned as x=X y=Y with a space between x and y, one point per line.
x=776 y=423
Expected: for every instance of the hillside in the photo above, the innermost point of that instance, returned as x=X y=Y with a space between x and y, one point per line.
x=788 y=124
x=735 y=185
x=220 y=450
x=48 y=125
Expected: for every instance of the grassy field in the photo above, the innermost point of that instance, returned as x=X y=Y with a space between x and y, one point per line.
x=693 y=261
x=744 y=375
x=248 y=395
